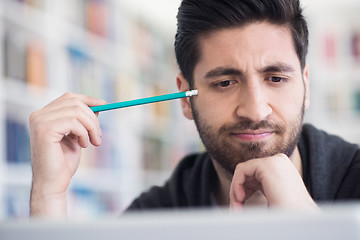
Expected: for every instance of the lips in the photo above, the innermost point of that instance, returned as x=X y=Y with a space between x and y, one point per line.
x=253 y=135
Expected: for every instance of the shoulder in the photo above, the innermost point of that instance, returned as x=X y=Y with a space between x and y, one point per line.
x=318 y=142
x=328 y=162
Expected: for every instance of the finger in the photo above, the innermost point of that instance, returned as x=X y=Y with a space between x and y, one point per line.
x=59 y=122
x=71 y=98
x=75 y=131
x=88 y=119
x=235 y=201
x=87 y=100
x=81 y=135
x=74 y=107
x=237 y=191
x=244 y=183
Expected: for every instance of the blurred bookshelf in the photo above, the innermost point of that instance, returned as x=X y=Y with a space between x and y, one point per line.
x=334 y=61
x=97 y=48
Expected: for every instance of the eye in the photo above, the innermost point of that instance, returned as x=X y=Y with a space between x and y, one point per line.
x=224 y=84
x=276 y=79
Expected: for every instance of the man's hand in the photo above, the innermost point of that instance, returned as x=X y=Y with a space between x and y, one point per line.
x=276 y=177
x=57 y=133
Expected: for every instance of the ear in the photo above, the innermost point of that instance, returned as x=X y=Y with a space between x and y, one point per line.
x=306 y=84
x=183 y=85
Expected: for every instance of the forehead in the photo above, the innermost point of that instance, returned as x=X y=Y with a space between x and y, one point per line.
x=258 y=43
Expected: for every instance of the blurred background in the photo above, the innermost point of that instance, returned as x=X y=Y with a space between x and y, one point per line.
x=121 y=50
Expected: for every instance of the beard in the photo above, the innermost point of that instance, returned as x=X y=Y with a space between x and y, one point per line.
x=228 y=153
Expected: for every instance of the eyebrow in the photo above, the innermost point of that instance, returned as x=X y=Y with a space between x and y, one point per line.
x=278 y=67
x=221 y=71
x=225 y=71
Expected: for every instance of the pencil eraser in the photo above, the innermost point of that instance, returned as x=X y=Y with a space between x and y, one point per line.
x=192 y=93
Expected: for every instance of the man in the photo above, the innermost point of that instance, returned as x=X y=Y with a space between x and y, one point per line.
x=247 y=60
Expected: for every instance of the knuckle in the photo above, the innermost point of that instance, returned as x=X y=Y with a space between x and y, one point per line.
x=282 y=157
x=35 y=120
x=68 y=95
x=32 y=117
x=238 y=167
x=75 y=105
x=72 y=97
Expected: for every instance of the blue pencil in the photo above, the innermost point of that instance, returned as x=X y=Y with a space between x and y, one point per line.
x=141 y=101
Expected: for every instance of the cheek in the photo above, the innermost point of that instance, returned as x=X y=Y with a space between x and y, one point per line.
x=288 y=105
x=216 y=110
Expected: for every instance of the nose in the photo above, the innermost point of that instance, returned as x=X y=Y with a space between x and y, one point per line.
x=254 y=104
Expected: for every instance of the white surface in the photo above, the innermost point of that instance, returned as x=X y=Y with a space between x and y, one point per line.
x=334 y=223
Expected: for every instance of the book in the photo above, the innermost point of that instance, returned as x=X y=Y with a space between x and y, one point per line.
x=36 y=64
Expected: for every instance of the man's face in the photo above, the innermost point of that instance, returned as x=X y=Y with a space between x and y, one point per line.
x=252 y=93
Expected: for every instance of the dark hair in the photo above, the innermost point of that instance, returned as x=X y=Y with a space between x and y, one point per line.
x=199 y=17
